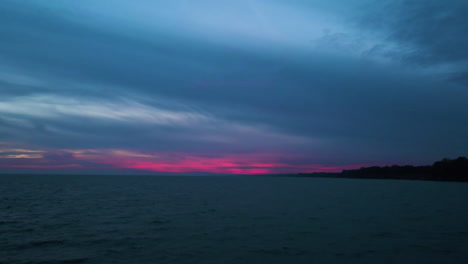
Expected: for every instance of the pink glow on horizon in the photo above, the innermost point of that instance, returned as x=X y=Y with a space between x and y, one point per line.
x=228 y=165
x=169 y=162
x=42 y=167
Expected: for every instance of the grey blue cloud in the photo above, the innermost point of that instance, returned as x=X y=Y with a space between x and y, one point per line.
x=316 y=83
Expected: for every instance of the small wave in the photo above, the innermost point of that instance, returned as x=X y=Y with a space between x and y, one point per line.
x=160 y=221
x=8 y=222
x=61 y=261
x=205 y=212
x=384 y=235
x=284 y=251
x=44 y=243
x=47 y=243
x=74 y=261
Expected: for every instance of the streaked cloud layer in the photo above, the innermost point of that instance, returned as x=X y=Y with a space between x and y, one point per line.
x=249 y=86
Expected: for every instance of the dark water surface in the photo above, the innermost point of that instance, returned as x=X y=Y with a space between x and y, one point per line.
x=143 y=219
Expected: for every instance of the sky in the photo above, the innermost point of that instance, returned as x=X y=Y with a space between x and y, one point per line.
x=231 y=87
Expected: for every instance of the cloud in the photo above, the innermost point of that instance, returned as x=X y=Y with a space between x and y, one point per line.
x=70 y=122
x=326 y=80
x=56 y=107
x=432 y=33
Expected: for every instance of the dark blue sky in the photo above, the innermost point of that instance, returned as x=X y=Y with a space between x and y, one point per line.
x=246 y=86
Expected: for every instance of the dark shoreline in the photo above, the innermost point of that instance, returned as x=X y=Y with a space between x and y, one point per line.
x=445 y=170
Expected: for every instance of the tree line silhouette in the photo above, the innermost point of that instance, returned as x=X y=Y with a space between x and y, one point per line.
x=454 y=170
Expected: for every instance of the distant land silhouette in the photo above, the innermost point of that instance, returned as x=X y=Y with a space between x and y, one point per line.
x=452 y=170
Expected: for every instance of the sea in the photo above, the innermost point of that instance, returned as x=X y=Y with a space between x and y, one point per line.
x=55 y=219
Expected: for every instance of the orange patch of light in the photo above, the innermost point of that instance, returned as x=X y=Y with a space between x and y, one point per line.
x=22 y=156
